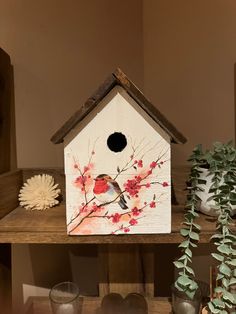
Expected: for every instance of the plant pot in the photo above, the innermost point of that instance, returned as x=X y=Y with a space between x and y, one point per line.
x=205 y=206
x=182 y=304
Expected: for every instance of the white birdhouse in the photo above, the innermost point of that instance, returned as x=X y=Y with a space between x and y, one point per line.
x=117 y=163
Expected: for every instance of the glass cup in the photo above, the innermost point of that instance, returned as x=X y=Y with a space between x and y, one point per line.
x=64 y=298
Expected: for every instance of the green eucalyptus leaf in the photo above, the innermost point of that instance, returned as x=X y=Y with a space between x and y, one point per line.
x=191 y=215
x=189 y=270
x=218 y=303
x=184 y=232
x=178 y=264
x=218 y=257
x=219 y=276
x=219 y=290
x=182 y=258
x=225 y=270
x=225 y=283
x=232 y=262
x=193 y=244
x=227 y=241
x=198 y=227
x=187 y=223
x=223 y=248
x=193 y=286
x=213 y=308
x=211 y=197
x=217 y=236
x=184 y=281
x=227 y=296
x=232 y=281
x=188 y=252
x=193 y=235
x=184 y=244
x=230 y=236
x=233 y=252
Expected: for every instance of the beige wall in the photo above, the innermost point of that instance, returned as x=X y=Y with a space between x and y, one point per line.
x=61 y=51
x=183 y=52
x=189 y=56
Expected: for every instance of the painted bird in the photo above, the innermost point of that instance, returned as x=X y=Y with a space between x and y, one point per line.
x=107 y=190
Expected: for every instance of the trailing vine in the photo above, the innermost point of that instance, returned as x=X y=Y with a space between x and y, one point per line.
x=185 y=281
x=222 y=168
x=221 y=164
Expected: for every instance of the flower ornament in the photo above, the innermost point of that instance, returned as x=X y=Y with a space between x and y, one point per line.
x=39 y=192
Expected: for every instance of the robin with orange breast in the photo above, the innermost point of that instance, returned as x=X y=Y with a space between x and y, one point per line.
x=107 y=190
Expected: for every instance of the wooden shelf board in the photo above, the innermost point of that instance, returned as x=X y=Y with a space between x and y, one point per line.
x=90 y=305
x=22 y=226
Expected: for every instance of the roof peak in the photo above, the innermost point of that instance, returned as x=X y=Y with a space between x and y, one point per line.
x=118 y=78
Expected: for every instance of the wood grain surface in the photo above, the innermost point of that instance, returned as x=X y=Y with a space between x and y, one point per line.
x=22 y=226
x=91 y=305
x=10 y=184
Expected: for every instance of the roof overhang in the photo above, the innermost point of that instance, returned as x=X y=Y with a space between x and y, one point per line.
x=119 y=78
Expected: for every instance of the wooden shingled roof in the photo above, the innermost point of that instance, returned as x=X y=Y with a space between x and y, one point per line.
x=118 y=78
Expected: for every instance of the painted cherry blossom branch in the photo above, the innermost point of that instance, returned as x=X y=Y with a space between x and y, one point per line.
x=130 y=163
x=133 y=162
x=83 y=178
x=92 y=211
x=132 y=223
x=81 y=210
x=132 y=186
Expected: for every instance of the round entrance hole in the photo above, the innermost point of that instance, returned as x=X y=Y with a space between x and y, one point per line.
x=116 y=142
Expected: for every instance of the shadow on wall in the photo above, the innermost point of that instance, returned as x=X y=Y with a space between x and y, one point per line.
x=52 y=264
x=39 y=267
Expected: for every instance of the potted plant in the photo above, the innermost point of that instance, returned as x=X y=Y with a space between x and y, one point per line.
x=220 y=163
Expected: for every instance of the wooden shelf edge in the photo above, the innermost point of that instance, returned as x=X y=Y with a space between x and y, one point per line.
x=61 y=238
x=22 y=226
x=90 y=305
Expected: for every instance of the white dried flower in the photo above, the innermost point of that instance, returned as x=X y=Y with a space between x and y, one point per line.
x=39 y=192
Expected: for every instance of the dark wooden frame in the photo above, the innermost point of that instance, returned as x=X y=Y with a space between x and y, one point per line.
x=5 y=111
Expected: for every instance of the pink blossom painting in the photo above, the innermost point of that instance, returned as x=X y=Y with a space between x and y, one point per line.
x=117 y=171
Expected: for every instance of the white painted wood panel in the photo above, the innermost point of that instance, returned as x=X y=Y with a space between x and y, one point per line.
x=141 y=171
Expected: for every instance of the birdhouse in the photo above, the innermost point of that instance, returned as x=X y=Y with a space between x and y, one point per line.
x=117 y=163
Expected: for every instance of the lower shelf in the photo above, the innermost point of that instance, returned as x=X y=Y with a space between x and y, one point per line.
x=90 y=305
